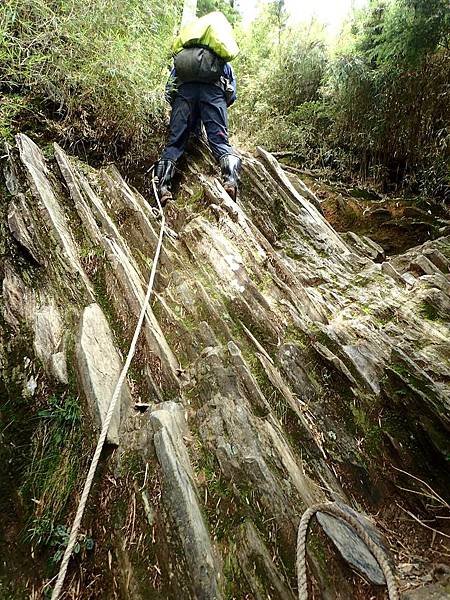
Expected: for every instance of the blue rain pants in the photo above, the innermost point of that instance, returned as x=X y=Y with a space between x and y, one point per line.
x=194 y=102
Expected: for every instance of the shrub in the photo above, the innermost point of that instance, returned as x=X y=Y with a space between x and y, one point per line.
x=101 y=64
x=388 y=93
x=373 y=106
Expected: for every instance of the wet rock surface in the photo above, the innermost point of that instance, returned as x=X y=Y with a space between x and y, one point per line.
x=258 y=566
x=280 y=365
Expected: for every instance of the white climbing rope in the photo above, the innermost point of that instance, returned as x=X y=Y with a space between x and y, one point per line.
x=335 y=511
x=116 y=394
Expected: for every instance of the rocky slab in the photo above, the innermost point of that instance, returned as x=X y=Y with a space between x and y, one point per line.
x=350 y=546
x=183 y=505
x=41 y=184
x=99 y=367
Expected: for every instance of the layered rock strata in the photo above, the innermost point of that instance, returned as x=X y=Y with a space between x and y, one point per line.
x=282 y=365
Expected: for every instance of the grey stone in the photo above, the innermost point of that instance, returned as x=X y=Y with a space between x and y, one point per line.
x=21 y=230
x=304 y=190
x=308 y=492
x=19 y=300
x=350 y=546
x=439 y=301
x=424 y=264
x=402 y=262
x=409 y=278
x=437 y=258
x=89 y=204
x=253 y=330
x=99 y=367
x=365 y=361
x=170 y=415
x=182 y=501
x=364 y=245
x=433 y=591
x=58 y=367
x=438 y=281
x=48 y=332
x=378 y=251
x=292 y=361
x=10 y=172
x=389 y=270
x=316 y=219
x=337 y=362
x=259 y=568
x=250 y=383
x=40 y=181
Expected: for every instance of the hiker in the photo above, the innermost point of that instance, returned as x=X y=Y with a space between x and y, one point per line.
x=200 y=89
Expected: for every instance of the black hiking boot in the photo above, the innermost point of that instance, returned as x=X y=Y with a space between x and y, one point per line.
x=230 y=165
x=164 y=172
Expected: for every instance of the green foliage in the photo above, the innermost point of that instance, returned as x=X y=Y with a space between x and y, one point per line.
x=279 y=79
x=103 y=63
x=402 y=33
x=429 y=311
x=54 y=468
x=62 y=414
x=375 y=106
x=11 y=107
x=299 y=70
x=226 y=6
x=389 y=94
x=60 y=538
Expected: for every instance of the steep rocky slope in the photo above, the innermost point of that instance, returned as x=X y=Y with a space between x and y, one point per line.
x=280 y=365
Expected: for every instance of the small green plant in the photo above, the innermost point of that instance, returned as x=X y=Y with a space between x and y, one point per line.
x=53 y=472
x=61 y=412
x=92 y=252
x=60 y=539
x=371 y=431
x=11 y=106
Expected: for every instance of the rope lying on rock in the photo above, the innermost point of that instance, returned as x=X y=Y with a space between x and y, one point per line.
x=334 y=510
x=112 y=405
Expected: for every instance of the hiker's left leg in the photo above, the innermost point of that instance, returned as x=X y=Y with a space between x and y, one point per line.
x=183 y=108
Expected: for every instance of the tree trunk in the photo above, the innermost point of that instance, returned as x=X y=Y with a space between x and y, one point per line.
x=189 y=11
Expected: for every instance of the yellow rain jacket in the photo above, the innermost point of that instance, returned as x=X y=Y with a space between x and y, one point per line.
x=212 y=31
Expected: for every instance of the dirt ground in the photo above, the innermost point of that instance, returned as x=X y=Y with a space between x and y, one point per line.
x=396 y=223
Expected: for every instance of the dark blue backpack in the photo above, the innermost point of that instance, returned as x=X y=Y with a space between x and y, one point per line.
x=199 y=64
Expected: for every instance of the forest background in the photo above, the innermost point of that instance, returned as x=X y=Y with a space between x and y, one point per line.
x=371 y=106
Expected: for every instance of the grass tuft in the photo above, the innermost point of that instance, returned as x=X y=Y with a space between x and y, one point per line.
x=53 y=471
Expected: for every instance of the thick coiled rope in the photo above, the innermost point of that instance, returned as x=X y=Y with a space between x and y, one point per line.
x=335 y=511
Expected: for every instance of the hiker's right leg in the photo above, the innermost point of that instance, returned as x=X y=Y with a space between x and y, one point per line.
x=230 y=167
x=183 y=109
x=164 y=172
x=180 y=124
